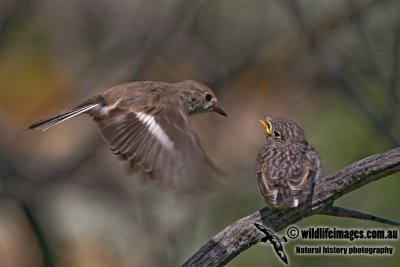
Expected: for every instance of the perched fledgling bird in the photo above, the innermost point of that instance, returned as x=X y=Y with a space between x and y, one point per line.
x=287 y=166
x=148 y=123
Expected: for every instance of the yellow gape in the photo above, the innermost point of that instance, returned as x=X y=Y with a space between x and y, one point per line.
x=267 y=126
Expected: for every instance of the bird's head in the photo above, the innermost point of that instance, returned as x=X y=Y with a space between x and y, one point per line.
x=198 y=98
x=282 y=131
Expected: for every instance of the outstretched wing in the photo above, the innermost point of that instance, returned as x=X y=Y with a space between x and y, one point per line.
x=158 y=136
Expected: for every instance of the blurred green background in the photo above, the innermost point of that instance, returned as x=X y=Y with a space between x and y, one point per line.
x=332 y=66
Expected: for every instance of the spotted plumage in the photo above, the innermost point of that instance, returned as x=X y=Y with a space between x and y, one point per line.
x=148 y=124
x=287 y=165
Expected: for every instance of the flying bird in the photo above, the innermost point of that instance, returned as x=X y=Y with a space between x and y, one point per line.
x=148 y=124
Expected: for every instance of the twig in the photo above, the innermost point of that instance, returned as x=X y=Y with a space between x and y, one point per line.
x=330 y=67
x=48 y=259
x=394 y=76
x=242 y=234
x=369 y=51
x=348 y=213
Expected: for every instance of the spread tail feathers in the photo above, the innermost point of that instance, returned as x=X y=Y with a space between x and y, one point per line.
x=55 y=119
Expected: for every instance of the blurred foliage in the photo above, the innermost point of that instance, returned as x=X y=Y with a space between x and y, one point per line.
x=332 y=66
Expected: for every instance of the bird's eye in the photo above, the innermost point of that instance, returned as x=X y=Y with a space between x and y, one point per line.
x=277 y=134
x=208 y=97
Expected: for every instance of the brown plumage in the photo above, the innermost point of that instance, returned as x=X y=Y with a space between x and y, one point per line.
x=147 y=123
x=287 y=165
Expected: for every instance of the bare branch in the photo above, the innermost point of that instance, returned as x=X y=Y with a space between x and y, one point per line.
x=48 y=257
x=348 y=213
x=242 y=234
x=394 y=76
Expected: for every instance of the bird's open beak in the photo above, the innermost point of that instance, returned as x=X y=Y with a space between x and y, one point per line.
x=219 y=111
x=267 y=126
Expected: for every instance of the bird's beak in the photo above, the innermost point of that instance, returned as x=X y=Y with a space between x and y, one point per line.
x=267 y=126
x=219 y=111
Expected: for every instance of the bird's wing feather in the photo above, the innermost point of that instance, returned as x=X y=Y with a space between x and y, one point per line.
x=284 y=177
x=266 y=172
x=298 y=179
x=303 y=171
x=161 y=140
